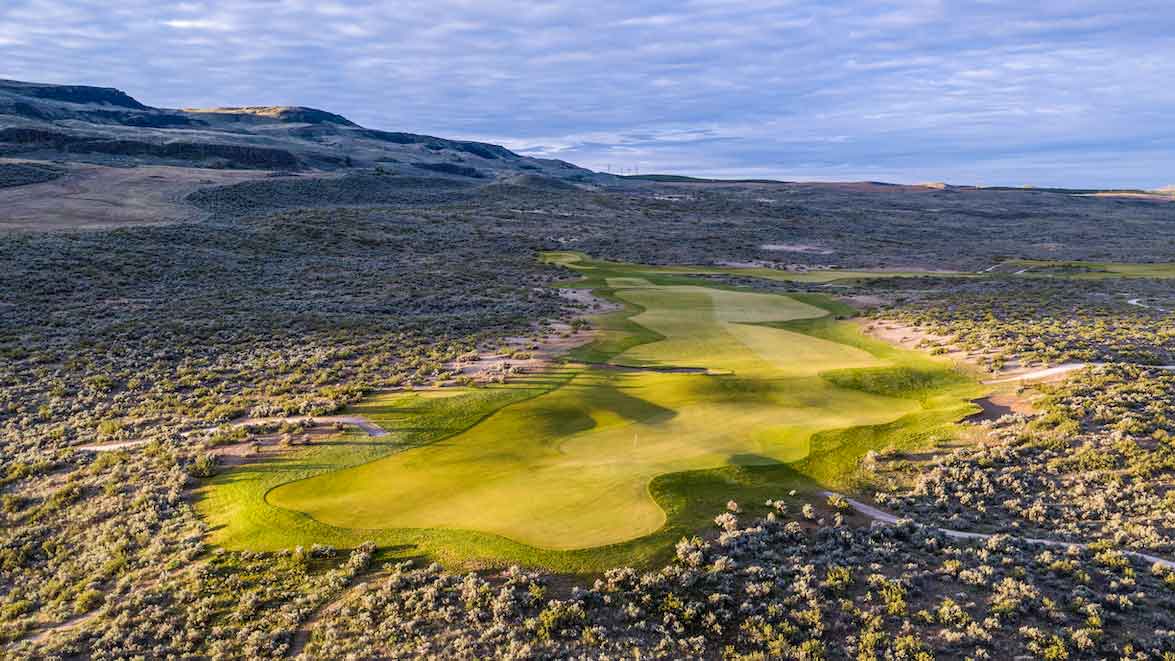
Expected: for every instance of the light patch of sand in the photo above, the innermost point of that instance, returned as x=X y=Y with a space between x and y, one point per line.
x=267 y=444
x=42 y=635
x=533 y=354
x=537 y=352
x=796 y=247
x=909 y=337
x=585 y=298
x=757 y=263
x=111 y=447
x=1041 y=375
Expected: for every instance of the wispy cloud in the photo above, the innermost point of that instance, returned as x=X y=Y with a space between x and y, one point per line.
x=212 y=24
x=1061 y=92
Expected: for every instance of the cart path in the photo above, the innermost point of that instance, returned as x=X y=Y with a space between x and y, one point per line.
x=885 y=517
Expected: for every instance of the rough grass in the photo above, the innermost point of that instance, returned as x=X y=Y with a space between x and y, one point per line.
x=586 y=467
x=592 y=268
x=1093 y=270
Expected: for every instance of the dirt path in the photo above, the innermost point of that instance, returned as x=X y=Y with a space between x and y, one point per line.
x=42 y=634
x=1061 y=370
x=885 y=517
x=304 y=631
x=908 y=337
x=369 y=427
x=111 y=447
x=1041 y=374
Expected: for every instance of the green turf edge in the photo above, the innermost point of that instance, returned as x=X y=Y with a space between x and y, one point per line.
x=690 y=499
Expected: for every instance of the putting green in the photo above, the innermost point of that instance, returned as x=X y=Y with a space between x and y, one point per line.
x=571 y=468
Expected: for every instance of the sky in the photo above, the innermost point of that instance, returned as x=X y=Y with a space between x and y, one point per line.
x=1049 y=93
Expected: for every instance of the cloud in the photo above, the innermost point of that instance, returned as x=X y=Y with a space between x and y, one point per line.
x=199 y=24
x=788 y=88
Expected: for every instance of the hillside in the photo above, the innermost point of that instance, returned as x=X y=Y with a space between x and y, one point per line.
x=109 y=127
x=262 y=367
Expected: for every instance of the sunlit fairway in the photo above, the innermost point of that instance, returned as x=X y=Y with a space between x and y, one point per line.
x=587 y=265
x=1079 y=270
x=691 y=395
x=571 y=468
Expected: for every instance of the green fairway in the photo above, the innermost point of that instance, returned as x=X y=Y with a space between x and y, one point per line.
x=1091 y=270
x=570 y=469
x=587 y=265
x=691 y=395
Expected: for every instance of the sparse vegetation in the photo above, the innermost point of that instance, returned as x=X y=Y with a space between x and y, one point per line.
x=157 y=382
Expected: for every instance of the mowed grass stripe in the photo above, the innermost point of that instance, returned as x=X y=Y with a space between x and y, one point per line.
x=570 y=469
x=802 y=450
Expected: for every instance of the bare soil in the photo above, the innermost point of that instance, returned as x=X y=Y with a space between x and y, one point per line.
x=1001 y=402
x=797 y=247
x=539 y=353
x=997 y=405
x=542 y=349
x=909 y=337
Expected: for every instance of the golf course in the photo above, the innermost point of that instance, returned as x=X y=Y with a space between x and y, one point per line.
x=690 y=394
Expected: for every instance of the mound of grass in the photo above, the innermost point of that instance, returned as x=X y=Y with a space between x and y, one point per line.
x=907 y=382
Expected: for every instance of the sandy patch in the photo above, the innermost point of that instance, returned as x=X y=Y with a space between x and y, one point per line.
x=910 y=337
x=1037 y=375
x=534 y=353
x=778 y=266
x=269 y=441
x=796 y=247
x=111 y=447
x=885 y=517
x=753 y=264
x=42 y=634
x=1005 y=399
x=587 y=301
x=265 y=439
x=521 y=355
x=369 y=427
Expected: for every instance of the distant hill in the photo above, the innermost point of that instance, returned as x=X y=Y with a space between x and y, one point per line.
x=294 y=114
x=681 y=179
x=108 y=126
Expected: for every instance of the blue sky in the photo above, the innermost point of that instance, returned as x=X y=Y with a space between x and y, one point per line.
x=1077 y=93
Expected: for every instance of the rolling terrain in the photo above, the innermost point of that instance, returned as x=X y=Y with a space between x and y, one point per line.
x=276 y=385
x=563 y=459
